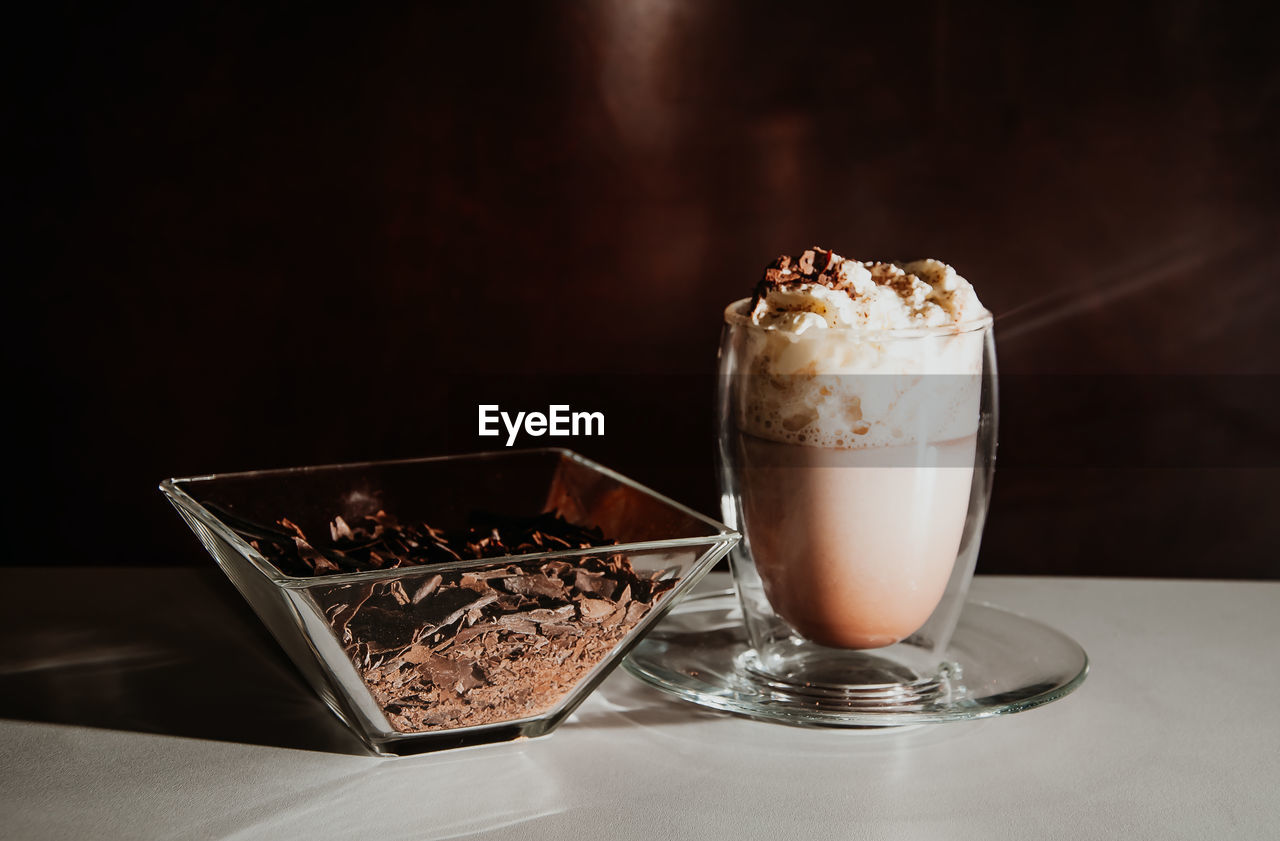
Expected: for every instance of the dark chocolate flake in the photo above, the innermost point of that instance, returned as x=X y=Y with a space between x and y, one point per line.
x=595 y=583
x=595 y=610
x=427 y=588
x=535 y=585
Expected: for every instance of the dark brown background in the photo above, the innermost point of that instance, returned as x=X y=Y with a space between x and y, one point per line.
x=256 y=238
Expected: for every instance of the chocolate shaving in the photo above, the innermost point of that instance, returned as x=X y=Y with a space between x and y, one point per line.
x=816 y=265
x=427 y=588
x=380 y=541
x=595 y=610
x=596 y=583
x=339 y=530
x=535 y=585
x=455 y=648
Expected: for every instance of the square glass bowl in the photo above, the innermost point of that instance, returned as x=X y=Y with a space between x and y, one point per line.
x=537 y=632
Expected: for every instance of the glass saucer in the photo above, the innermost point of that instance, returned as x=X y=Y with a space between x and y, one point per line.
x=998 y=663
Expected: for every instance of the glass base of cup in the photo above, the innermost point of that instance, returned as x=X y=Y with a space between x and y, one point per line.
x=850 y=681
x=996 y=664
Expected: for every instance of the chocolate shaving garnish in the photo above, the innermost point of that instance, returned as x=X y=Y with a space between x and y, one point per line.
x=816 y=265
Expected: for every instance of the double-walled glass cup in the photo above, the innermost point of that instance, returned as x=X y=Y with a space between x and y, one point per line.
x=857 y=465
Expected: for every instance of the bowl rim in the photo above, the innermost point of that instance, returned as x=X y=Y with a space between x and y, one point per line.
x=173 y=489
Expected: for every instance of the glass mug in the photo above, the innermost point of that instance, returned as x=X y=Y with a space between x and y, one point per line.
x=857 y=466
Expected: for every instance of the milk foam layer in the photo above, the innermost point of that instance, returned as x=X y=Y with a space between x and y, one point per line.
x=856 y=354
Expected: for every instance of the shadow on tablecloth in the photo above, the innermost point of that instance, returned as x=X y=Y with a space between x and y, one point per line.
x=166 y=651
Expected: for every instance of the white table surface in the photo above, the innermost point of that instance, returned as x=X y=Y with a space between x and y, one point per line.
x=149 y=704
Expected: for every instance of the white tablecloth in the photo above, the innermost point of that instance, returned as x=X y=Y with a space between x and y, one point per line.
x=149 y=704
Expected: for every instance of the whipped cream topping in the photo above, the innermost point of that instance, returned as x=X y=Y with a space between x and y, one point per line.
x=811 y=382
x=822 y=289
